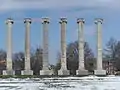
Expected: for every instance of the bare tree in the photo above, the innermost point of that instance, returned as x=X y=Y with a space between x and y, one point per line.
x=112 y=52
x=2 y=59
x=72 y=57
x=36 y=60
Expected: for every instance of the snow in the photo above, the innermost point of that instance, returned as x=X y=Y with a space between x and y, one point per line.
x=62 y=83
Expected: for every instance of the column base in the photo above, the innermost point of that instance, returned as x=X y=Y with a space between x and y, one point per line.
x=63 y=72
x=100 y=72
x=27 y=72
x=46 y=72
x=8 y=72
x=81 y=72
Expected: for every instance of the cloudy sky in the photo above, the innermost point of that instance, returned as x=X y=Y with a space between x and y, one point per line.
x=109 y=10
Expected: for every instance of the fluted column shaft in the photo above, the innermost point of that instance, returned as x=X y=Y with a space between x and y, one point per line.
x=63 y=23
x=45 y=23
x=81 y=42
x=98 y=22
x=27 y=44
x=9 y=23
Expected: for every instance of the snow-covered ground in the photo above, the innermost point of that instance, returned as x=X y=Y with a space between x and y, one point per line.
x=64 y=83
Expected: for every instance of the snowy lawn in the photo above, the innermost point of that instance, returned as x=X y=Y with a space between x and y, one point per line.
x=64 y=83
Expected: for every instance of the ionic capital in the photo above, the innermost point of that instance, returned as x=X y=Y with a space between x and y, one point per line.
x=45 y=20
x=98 y=20
x=63 y=20
x=28 y=20
x=9 y=20
x=80 y=20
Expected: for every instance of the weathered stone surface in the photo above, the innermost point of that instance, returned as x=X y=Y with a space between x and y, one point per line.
x=63 y=72
x=46 y=72
x=81 y=22
x=100 y=72
x=8 y=72
x=27 y=22
x=81 y=69
x=81 y=72
x=27 y=72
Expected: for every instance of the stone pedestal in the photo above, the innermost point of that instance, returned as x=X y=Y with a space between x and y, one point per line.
x=27 y=72
x=81 y=72
x=8 y=72
x=63 y=72
x=46 y=72
x=100 y=72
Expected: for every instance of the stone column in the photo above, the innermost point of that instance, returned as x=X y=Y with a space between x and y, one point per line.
x=45 y=70
x=81 y=69
x=63 y=70
x=99 y=70
x=27 y=70
x=9 y=70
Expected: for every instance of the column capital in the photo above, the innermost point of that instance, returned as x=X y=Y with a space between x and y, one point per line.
x=45 y=20
x=80 y=20
x=9 y=20
x=63 y=20
x=28 y=20
x=98 y=20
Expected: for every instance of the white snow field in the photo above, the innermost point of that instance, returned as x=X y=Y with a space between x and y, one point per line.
x=63 y=83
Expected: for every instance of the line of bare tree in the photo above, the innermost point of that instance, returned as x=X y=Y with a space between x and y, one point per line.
x=110 y=53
